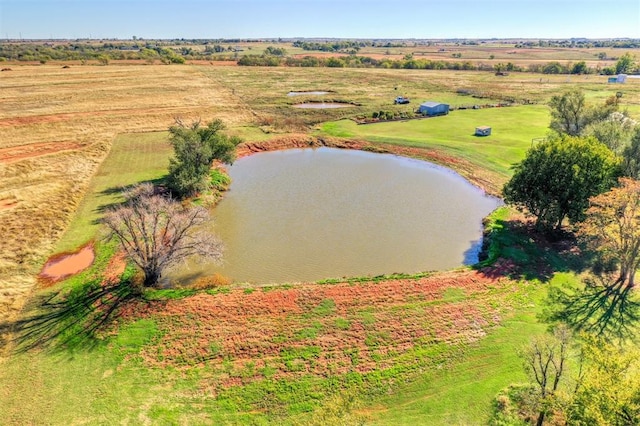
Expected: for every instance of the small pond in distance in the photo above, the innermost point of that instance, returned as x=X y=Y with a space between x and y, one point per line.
x=311 y=92
x=309 y=214
x=322 y=105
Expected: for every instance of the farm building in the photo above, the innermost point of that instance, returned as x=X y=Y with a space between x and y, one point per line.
x=433 y=108
x=621 y=78
x=483 y=131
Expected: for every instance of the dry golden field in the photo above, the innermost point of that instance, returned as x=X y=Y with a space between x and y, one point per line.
x=56 y=126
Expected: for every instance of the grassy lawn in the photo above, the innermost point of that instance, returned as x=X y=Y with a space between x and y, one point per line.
x=437 y=397
x=513 y=129
x=152 y=368
x=134 y=157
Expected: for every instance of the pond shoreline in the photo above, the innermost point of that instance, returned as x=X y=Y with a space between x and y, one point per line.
x=466 y=169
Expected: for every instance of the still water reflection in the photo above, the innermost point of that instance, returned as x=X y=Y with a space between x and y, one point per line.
x=308 y=214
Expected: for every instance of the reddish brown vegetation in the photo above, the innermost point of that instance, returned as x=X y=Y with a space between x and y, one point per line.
x=347 y=327
x=298 y=141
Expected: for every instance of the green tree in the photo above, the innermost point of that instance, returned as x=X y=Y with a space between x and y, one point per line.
x=195 y=149
x=608 y=391
x=275 y=51
x=557 y=177
x=626 y=64
x=616 y=131
x=631 y=156
x=571 y=115
x=580 y=68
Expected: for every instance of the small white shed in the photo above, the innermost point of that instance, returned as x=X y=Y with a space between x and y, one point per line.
x=483 y=131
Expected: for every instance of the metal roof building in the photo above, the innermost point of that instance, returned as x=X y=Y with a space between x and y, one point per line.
x=431 y=108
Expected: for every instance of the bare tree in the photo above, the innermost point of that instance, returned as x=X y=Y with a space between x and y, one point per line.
x=156 y=232
x=544 y=360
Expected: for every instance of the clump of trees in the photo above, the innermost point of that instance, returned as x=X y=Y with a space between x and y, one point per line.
x=156 y=232
x=558 y=176
x=602 y=389
x=195 y=148
x=275 y=51
x=571 y=115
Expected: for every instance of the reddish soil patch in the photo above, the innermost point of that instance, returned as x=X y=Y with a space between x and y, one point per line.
x=115 y=268
x=63 y=265
x=8 y=203
x=16 y=153
x=298 y=141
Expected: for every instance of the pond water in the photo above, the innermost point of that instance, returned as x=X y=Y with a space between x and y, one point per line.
x=322 y=105
x=309 y=214
x=311 y=92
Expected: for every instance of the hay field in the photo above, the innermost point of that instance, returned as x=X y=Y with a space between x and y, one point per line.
x=57 y=125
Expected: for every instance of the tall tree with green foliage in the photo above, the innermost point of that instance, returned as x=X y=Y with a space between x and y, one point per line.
x=570 y=114
x=616 y=131
x=625 y=64
x=195 y=149
x=631 y=156
x=558 y=176
x=605 y=390
x=608 y=391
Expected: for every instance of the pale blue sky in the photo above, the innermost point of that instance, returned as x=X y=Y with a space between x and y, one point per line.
x=319 y=18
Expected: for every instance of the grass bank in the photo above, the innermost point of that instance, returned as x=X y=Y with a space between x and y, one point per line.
x=513 y=129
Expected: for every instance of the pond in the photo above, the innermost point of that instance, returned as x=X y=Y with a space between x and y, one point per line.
x=311 y=92
x=309 y=214
x=322 y=105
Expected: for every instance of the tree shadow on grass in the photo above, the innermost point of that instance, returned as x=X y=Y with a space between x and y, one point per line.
x=71 y=320
x=520 y=251
x=603 y=307
x=116 y=191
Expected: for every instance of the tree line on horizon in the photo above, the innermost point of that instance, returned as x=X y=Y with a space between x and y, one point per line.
x=175 y=53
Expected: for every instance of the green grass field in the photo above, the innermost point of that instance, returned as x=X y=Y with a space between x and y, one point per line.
x=513 y=130
x=134 y=157
x=110 y=380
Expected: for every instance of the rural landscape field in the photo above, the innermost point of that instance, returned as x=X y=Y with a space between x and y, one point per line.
x=434 y=347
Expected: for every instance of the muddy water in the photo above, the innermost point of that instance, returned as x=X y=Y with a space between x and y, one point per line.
x=322 y=105
x=311 y=92
x=308 y=214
